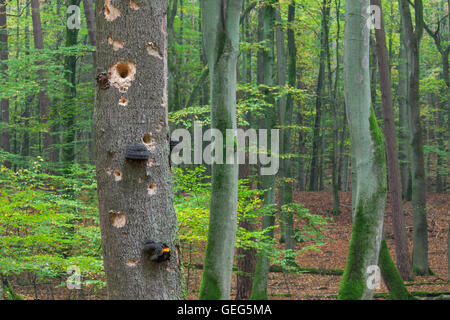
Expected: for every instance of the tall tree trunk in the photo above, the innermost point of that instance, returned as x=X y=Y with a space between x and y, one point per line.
x=221 y=39
x=398 y=218
x=245 y=257
x=404 y=155
x=444 y=50
x=285 y=106
x=259 y=290
x=90 y=22
x=292 y=81
x=447 y=81
x=4 y=103
x=301 y=175
x=332 y=89
x=44 y=100
x=135 y=197
x=25 y=151
x=420 y=231
x=70 y=64
x=172 y=12
x=369 y=190
x=317 y=138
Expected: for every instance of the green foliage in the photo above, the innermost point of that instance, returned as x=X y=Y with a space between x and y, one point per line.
x=43 y=230
x=252 y=102
x=312 y=225
x=191 y=202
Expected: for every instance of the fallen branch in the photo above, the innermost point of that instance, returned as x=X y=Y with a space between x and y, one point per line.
x=276 y=269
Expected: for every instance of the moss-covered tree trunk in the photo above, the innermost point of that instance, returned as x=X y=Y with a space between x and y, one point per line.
x=221 y=39
x=369 y=190
x=259 y=289
x=135 y=197
x=391 y=276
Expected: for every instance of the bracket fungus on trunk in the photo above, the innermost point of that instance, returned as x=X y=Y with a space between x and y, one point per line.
x=137 y=152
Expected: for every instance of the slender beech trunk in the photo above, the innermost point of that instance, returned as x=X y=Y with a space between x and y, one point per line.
x=284 y=119
x=259 y=290
x=317 y=138
x=90 y=22
x=448 y=251
x=404 y=134
x=301 y=183
x=373 y=76
x=135 y=197
x=70 y=64
x=439 y=36
x=4 y=103
x=221 y=39
x=301 y=175
x=44 y=100
x=25 y=151
x=420 y=228
x=287 y=188
x=447 y=81
x=368 y=153
x=332 y=91
x=172 y=12
x=398 y=218
x=245 y=257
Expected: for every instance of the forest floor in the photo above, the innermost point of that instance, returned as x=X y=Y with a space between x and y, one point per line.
x=333 y=255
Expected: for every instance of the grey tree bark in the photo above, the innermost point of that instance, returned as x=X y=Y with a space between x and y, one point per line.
x=44 y=100
x=259 y=290
x=135 y=197
x=333 y=96
x=221 y=39
x=404 y=131
x=173 y=7
x=420 y=228
x=395 y=193
x=4 y=103
x=442 y=42
x=287 y=171
x=70 y=65
x=90 y=22
x=314 y=181
x=368 y=154
x=285 y=119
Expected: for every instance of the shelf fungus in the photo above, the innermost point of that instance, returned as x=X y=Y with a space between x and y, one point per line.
x=137 y=152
